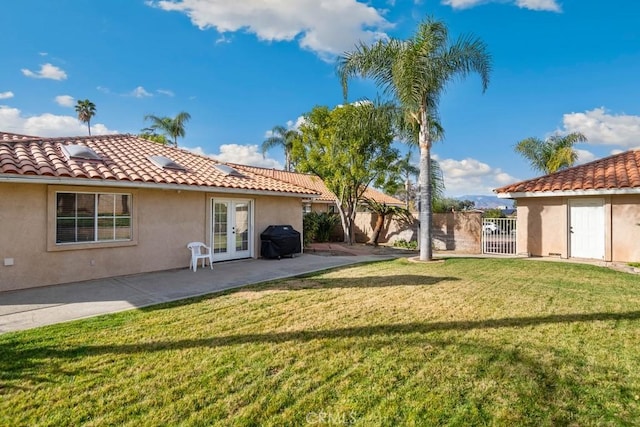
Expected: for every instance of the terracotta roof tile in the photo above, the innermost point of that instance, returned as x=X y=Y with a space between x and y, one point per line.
x=125 y=158
x=315 y=183
x=621 y=171
x=6 y=136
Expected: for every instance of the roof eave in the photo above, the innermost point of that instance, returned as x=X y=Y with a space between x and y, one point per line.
x=568 y=193
x=35 y=179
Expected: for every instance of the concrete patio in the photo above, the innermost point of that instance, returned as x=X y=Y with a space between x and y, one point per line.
x=30 y=308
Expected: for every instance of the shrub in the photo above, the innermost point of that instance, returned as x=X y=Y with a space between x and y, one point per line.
x=401 y=243
x=319 y=226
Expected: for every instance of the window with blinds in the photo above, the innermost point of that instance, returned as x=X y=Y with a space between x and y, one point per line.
x=93 y=217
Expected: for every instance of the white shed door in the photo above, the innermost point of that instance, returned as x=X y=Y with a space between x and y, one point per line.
x=586 y=228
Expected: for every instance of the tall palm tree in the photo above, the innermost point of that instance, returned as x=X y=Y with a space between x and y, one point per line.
x=172 y=127
x=552 y=154
x=86 y=110
x=416 y=72
x=281 y=136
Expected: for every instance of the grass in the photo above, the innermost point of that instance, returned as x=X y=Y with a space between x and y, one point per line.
x=464 y=342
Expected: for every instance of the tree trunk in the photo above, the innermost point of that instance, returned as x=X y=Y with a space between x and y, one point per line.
x=406 y=193
x=343 y=222
x=425 y=188
x=376 y=231
x=351 y=218
x=89 y=126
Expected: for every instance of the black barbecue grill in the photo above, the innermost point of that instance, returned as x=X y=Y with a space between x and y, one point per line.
x=280 y=240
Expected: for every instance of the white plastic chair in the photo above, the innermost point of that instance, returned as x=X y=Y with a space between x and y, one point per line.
x=200 y=251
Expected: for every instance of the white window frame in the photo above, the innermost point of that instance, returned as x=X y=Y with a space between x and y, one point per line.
x=52 y=243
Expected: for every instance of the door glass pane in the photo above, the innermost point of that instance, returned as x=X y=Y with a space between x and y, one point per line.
x=242 y=226
x=220 y=224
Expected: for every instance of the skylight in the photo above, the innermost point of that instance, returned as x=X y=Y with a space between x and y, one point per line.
x=228 y=170
x=80 y=152
x=166 y=163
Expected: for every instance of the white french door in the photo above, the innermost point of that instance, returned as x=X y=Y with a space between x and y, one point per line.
x=586 y=228
x=231 y=229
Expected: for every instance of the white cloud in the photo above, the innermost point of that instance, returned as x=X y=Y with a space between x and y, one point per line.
x=543 y=5
x=602 y=128
x=584 y=156
x=103 y=89
x=46 y=125
x=166 y=92
x=470 y=176
x=223 y=39
x=47 y=71
x=243 y=154
x=65 y=100
x=6 y=95
x=326 y=27
x=548 y=5
x=140 y=92
x=296 y=126
x=290 y=125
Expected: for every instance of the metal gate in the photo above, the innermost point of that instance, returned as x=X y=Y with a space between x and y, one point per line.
x=499 y=236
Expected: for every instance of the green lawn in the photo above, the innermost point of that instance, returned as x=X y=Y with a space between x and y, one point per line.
x=461 y=342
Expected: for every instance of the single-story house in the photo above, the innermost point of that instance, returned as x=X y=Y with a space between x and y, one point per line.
x=79 y=208
x=588 y=211
x=326 y=200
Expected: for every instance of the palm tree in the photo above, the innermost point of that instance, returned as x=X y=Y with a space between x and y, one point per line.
x=552 y=154
x=172 y=127
x=416 y=72
x=86 y=110
x=281 y=136
x=407 y=170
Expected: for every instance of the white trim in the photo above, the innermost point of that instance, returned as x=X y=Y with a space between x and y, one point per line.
x=231 y=215
x=569 y=193
x=573 y=205
x=155 y=186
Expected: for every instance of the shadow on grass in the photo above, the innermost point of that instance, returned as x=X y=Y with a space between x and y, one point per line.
x=314 y=282
x=519 y=372
x=13 y=357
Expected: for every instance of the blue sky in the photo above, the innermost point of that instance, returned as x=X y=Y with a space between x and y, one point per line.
x=241 y=67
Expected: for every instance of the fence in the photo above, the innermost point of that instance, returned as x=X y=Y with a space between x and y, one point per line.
x=499 y=236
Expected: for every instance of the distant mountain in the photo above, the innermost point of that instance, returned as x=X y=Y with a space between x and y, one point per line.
x=487 y=202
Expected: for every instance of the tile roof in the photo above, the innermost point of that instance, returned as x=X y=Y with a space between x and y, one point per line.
x=6 y=136
x=621 y=171
x=315 y=183
x=126 y=160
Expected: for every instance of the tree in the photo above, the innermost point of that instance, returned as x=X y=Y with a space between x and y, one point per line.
x=407 y=170
x=171 y=127
x=281 y=136
x=416 y=72
x=384 y=211
x=151 y=135
x=86 y=110
x=446 y=205
x=349 y=148
x=552 y=154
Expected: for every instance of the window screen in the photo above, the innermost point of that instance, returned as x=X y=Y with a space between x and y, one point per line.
x=93 y=217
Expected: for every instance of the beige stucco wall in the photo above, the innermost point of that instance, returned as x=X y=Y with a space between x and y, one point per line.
x=393 y=229
x=625 y=228
x=457 y=231
x=542 y=227
x=164 y=222
x=271 y=210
